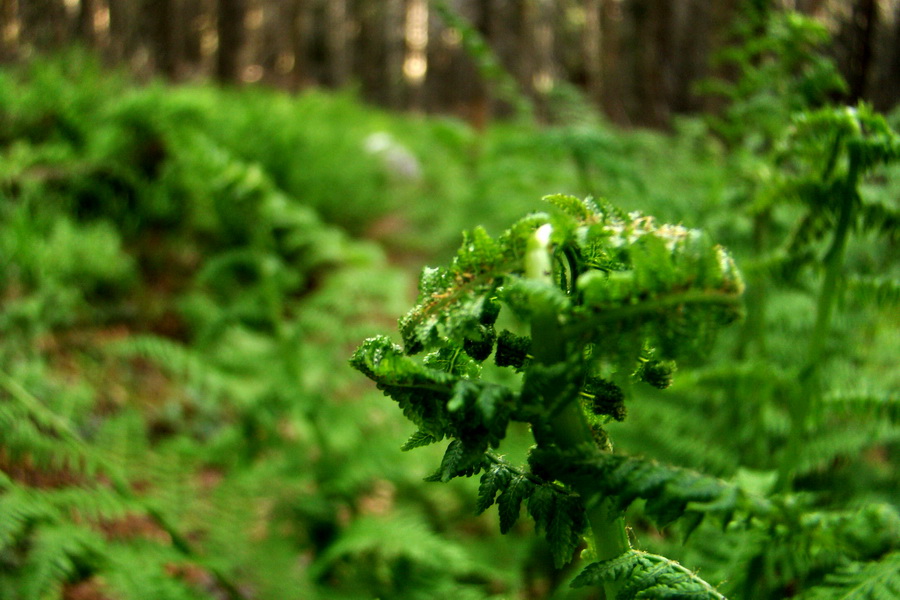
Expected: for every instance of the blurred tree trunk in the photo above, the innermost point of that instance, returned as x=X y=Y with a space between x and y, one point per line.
x=301 y=18
x=336 y=42
x=273 y=53
x=592 y=44
x=810 y=7
x=369 y=68
x=652 y=20
x=165 y=35
x=861 y=33
x=123 y=35
x=695 y=30
x=230 y=26
x=195 y=18
x=526 y=54
x=544 y=74
x=416 y=42
x=884 y=77
x=892 y=65
x=501 y=27
x=452 y=82
x=44 y=23
x=614 y=101
x=85 y=23
x=394 y=42
x=9 y=39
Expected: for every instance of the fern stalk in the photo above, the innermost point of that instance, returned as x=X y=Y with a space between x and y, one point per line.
x=805 y=404
x=568 y=428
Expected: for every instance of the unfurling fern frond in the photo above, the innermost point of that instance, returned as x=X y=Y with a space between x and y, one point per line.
x=603 y=293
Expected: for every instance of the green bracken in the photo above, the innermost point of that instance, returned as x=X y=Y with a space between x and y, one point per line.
x=600 y=293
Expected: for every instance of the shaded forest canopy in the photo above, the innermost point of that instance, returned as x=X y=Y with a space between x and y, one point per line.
x=638 y=60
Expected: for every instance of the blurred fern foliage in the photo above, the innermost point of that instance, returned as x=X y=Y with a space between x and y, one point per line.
x=185 y=270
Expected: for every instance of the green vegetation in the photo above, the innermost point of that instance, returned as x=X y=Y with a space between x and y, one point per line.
x=184 y=272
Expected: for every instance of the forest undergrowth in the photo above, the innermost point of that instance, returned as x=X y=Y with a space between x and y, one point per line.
x=185 y=271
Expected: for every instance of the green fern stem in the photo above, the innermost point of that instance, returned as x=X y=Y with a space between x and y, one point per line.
x=834 y=261
x=568 y=429
x=803 y=407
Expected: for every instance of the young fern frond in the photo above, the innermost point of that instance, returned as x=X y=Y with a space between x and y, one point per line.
x=603 y=293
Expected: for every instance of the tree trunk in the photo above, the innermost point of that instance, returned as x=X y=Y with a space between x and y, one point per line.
x=302 y=17
x=85 y=24
x=196 y=19
x=336 y=42
x=275 y=54
x=165 y=35
x=614 y=99
x=44 y=23
x=864 y=22
x=543 y=77
x=123 y=35
x=651 y=20
x=415 y=65
x=9 y=38
x=230 y=26
x=393 y=35
x=592 y=44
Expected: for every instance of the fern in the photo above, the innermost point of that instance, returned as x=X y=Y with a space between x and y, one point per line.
x=57 y=494
x=869 y=403
x=648 y=576
x=602 y=292
x=875 y=580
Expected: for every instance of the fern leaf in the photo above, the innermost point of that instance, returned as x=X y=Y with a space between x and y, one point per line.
x=829 y=444
x=670 y=492
x=884 y=404
x=181 y=361
x=542 y=505
x=564 y=528
x=494 y=480
x=576 y=208
x=884 y=292
x=450 y=463
x=614 y=569
x=510 y=501
x=402 y=538
x=419 y=439
x=647 y=577
x=56 y=554
x=876 y=580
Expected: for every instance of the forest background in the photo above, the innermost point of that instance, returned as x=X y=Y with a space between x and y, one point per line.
x=206 y=206
x=637 y=60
